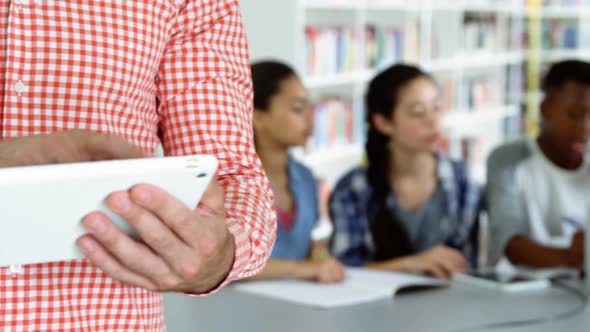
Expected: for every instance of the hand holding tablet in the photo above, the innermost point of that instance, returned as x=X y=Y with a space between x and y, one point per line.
x=42 y=206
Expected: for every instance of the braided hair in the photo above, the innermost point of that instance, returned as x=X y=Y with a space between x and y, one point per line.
x=389 y=236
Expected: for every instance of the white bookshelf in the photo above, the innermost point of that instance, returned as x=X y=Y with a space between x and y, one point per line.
x=467 y=121
x=335 y=160
x=562 y=54
x=351 y=78
x=280 y=34
x=564 y=12
x=474 y=61
x=332 y=5
x=539 y=57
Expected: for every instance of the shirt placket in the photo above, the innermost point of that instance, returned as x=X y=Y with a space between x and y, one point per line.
x=14 y=88
x=6 y=14
x=15 y=84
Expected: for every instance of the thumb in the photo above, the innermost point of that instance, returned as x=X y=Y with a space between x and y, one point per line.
x=213 y=200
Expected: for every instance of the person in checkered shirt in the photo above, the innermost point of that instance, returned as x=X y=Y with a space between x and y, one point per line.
x=109 y=79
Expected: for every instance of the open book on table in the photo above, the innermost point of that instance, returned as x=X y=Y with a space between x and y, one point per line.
x=360 y=286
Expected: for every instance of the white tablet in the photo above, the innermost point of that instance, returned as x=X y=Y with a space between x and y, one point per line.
x=498 y=281
x=42 y=206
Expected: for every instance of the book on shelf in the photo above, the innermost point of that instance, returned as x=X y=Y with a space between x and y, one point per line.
x=383 y=45
x=334 y=123
x=514 y=126
x=480 y=33
x=411 y=47
x=563 y=3
x=515 y=34
x=560 y=34
x=360 y=286
x=482 y=92
x=331 y=50
x=444 y=41
x=386 y=45
x=448 y=90
x=515 y=83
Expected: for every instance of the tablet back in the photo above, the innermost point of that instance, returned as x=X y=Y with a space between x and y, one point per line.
x=42 y=206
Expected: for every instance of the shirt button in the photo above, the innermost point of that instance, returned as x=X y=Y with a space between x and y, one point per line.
x=19 y=3
x=19 y=87
x=15 y=270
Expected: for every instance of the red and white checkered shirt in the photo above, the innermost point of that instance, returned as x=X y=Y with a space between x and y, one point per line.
x=174 y=72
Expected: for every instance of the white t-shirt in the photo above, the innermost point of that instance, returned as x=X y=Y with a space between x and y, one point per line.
x=528 y=195
x=557 y=200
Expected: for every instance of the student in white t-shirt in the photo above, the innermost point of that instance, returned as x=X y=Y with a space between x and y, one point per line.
x=539 y=190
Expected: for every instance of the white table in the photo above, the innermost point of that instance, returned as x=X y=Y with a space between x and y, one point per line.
x=442 y=310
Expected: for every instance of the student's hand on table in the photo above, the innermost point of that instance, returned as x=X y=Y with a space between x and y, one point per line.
x=182 y=249
x=576 y=251
x=328 y=270
x=440 y=262
x=65 y=147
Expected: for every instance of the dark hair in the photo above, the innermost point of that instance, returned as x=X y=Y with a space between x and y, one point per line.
x=266 y=78
x=564 y=71
x=382 y=98
x=390 y=238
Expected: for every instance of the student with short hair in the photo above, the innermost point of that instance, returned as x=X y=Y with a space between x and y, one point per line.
x=539 y=189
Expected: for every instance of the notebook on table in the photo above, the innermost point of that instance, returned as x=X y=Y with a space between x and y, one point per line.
x=360 y=286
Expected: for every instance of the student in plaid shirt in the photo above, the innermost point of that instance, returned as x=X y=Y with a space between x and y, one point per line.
x=412 y=209
x=174 y=72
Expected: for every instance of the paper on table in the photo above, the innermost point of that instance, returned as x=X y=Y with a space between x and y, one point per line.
x=360 y=286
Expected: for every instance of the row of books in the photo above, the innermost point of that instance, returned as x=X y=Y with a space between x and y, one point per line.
x=481 y=92
x=480 y=32
x=331 y=50
x=565 y=3
x=384 y=45
x=336 y=50
x=515 y=83
x=336 y=123
x=473 y=150
x=568 y=34
x=335 y=126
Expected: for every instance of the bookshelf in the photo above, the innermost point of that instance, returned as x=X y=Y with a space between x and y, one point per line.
x=486 y=54
x=557 y=30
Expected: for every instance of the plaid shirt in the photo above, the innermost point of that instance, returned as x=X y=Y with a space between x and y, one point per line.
x=134 y=69
x=350 y=208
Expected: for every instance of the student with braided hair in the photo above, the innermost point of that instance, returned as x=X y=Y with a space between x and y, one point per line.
x=412 y=209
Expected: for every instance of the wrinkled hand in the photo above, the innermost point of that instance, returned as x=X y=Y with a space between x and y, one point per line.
x=327 y=271
x=181 y=250
x=440 y=262
x=65 y=147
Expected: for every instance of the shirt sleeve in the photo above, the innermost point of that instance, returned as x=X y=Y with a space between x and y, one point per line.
x=204 y=94
x=472 y=206
x=506 y=207
x=349 y=240
x=471 y=212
